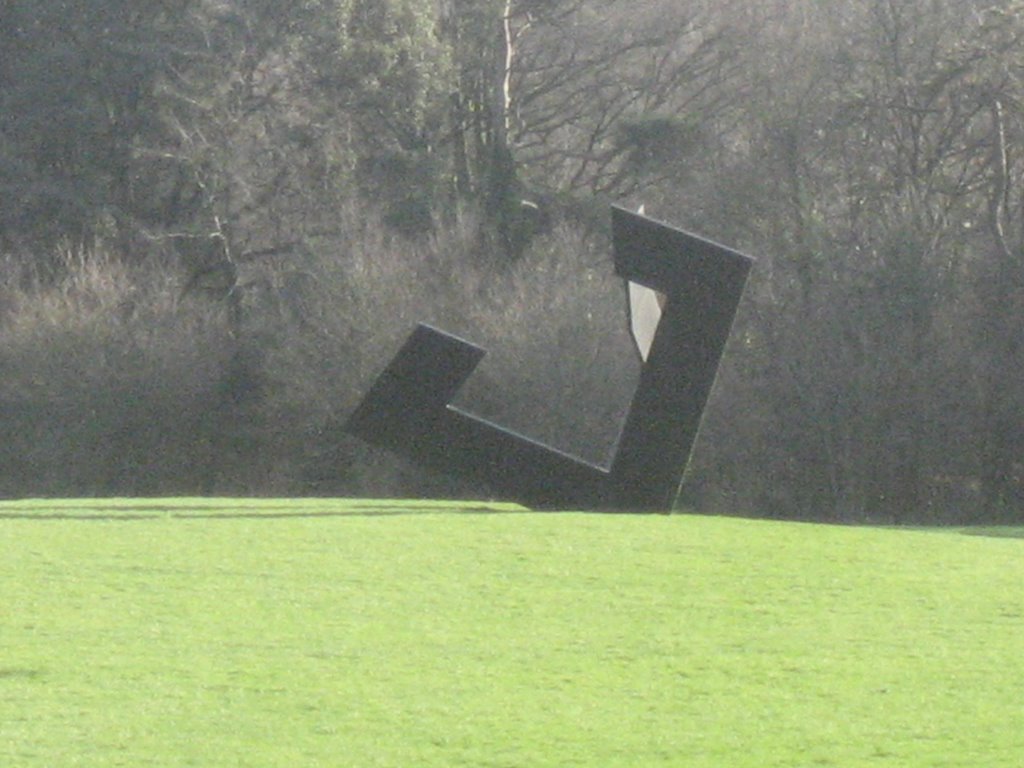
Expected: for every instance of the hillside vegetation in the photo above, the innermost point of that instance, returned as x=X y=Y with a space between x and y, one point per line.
x=220 y=218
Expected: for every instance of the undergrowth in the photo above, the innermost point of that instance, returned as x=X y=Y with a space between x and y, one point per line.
x=117 y=378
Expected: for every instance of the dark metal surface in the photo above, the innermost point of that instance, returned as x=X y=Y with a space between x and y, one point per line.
x=407 y=410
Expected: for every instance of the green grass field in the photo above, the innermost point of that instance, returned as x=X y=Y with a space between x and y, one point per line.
x=334 y=633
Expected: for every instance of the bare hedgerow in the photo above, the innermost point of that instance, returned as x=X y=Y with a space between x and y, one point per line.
x=559 y=366
x=112 y=381
x=328 y=322
x=107 y=384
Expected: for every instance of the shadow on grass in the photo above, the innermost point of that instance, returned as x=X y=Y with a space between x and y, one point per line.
x=17 y=673
x=255 y=510
x=998 y=531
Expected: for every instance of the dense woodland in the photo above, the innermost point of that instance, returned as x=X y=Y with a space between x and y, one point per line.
x=220 y=218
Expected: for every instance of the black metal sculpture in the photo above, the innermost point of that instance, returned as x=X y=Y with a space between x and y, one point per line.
x=408 y=410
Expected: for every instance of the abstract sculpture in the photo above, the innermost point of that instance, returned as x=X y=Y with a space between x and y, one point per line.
x=408 y=410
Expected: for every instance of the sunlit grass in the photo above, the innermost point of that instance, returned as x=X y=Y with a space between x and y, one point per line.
x=325 y=633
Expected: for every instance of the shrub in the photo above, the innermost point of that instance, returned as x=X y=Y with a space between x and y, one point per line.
x=108 y=385
x=559 y=367
x=114 y=381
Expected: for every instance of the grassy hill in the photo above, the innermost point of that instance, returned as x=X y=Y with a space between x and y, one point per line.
x=348 y=633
